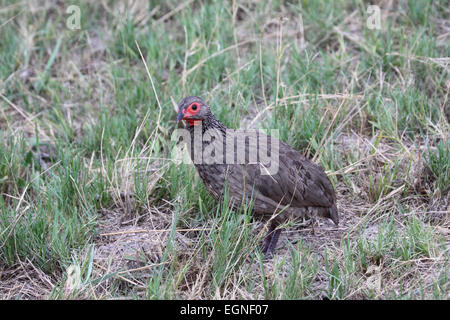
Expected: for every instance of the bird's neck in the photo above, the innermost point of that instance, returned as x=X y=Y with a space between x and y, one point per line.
x=208 y=123
x=212 y=129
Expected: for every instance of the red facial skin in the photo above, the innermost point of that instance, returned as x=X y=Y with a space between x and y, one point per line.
x=189 y=112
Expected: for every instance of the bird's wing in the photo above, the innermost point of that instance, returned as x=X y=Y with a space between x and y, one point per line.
x=298 y=182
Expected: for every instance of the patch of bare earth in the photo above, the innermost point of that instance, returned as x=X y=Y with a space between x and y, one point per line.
x=24 y=281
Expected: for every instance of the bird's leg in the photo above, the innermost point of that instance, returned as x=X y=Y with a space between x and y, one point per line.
x=271 y=239
x=267 y=238
x=313 y=222
x=312 y=215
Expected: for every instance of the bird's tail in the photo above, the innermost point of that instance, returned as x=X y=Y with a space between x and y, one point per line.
x=332 y=211
x=329 y=212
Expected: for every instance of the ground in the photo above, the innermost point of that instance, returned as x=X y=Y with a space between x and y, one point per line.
x=95 y=203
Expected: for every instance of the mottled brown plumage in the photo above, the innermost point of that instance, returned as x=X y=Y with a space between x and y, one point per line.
x=299 y=188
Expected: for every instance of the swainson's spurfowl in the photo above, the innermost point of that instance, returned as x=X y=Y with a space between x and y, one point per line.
x=256 y=169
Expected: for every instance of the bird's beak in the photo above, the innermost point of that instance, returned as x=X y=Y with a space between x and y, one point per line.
x=180 y=115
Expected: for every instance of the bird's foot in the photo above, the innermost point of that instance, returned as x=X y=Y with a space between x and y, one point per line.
x=312 y=226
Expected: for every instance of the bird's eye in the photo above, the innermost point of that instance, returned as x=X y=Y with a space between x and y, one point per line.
x=194 y=107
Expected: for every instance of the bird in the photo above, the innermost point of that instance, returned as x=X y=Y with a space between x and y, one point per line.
x=237 y=162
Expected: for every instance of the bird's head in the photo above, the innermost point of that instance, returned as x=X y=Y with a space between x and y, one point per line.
x=193 y=110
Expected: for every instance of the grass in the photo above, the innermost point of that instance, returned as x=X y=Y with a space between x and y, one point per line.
x=90 y=184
